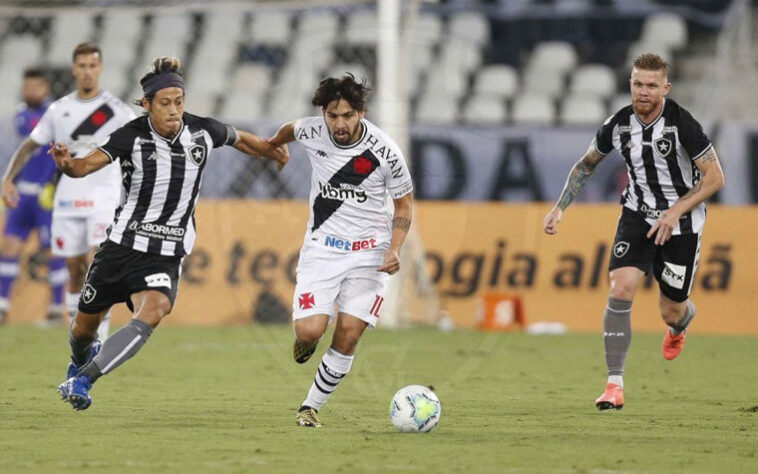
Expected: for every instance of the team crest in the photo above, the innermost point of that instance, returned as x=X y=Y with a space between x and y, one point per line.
x=663 y=146
x=197 y=154
x=620 y=249
x=88 y=293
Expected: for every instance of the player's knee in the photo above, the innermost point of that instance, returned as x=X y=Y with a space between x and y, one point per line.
x=622 y=289
x=152 y=312
x=307 y=331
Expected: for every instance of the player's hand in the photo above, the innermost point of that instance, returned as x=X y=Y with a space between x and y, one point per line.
x=282 y=154
x=551 y=220
x=391 y=262
x=10 y=194
x=664 y=227
x=60 y=154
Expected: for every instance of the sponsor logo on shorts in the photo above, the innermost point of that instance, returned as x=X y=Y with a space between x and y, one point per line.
x=673 y=275
x=306 y=301
x=344 y=193
x=158 y=279
x=157 y=231
x=348 y=245
x=76 y=204
x=88 y=293
x=620 y=249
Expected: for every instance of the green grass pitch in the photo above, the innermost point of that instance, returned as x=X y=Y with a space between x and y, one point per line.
x=222 y=400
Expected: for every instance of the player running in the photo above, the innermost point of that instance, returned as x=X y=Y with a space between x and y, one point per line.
x=30 y=206
x=672 y=169
x=353 y=239
x=82 y=209
x=163 y=155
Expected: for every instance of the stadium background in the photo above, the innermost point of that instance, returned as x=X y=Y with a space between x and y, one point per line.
x=492 y=101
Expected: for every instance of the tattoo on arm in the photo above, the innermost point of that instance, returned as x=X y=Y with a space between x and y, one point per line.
x=708 y=157
x=402 y=223
x=578 y=177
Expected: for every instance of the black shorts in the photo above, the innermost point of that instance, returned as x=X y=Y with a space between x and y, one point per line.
x=117 y=271
x=674 y=263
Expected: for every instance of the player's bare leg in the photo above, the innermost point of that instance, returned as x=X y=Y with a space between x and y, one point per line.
x=335 y=364
x=677 y=316
x=308 y=331
x=150 y=307
x=617 y=333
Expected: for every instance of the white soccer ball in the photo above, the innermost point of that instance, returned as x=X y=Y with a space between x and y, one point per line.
x=415 y=409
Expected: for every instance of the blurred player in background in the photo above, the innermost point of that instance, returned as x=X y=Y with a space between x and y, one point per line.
x=353 y=239
x=672 y=169
x=30 y=207
x=82 y=210
x=162 y=155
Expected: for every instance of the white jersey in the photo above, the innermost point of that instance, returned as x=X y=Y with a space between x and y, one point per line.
x=83 y=125
x=349 y=187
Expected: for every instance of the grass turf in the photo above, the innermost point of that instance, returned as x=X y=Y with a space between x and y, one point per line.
x=224 y=400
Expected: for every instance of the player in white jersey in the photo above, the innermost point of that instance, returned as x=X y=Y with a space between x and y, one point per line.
x=84 y=208
x=353 y=239
x=673 y=169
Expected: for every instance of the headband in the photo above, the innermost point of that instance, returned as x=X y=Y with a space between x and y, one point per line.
x=162 y=81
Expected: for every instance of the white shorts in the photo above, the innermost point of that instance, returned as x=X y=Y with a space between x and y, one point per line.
x=73 y=236
x=350 y=280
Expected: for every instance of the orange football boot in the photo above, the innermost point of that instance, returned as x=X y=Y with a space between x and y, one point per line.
x=672 y=345
x=612 y=397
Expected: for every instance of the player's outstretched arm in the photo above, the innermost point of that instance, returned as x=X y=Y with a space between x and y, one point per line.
x=18 y=160
x=576 y=180
x=80 y=167
x=711 y=180
x=401 y=224
x=254 y=145
x=284 y=135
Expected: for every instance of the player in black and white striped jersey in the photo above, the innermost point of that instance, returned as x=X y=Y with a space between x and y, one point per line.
x=672 y=170
x=162 y=155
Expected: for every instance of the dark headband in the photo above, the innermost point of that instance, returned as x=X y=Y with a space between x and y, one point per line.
x=162 y=81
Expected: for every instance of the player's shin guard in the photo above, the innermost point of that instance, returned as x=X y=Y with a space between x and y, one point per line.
x=333 y=368
x=681 y=325
x=617 y=334
x=121 y=346
x=57 y=276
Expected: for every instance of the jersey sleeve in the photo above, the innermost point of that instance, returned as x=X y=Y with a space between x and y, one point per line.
x=44 y=132
x=692 y=137
x=304 y=128
x=221 y=133
x=119 y=144
x=397 y=176
x=603 y=141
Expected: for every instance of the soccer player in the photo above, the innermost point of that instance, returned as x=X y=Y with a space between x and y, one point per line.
x=82 y=210
x=162 y=155
x=353 y=239
x=29 y=202
x=672 y=169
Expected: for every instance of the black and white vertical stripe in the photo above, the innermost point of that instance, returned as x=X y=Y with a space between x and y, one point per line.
x=326 y=380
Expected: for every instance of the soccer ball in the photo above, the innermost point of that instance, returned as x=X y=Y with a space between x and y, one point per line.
x=415 y=409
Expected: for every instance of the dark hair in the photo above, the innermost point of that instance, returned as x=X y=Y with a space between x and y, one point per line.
x=347 y=88
x=87 y=48
x=651 y=62
x=163 y=64
x=35 y=73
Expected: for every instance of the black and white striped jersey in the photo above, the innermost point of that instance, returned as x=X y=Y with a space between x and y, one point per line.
x=161 y=180
x=660 y=160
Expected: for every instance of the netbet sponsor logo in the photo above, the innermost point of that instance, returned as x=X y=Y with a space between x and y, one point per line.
x=157 y=231
x=349 y=246
x=343 y=193
x=76 y=204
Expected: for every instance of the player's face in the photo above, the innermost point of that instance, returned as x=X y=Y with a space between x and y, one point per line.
x=343 y=121
x=34 y=90
x=166 y=110
x=648 y=89
x=86 y=71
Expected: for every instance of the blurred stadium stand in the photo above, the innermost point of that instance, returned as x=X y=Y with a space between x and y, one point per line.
x=506 y=63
